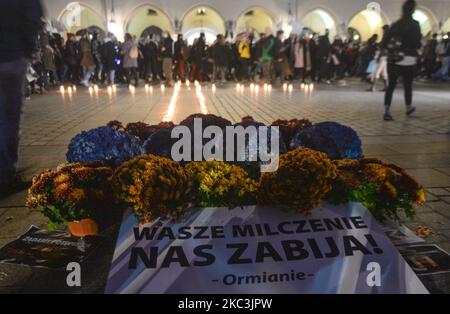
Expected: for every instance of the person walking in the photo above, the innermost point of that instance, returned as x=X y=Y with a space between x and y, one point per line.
x=402 y=40
x=381 y=68
x=167 y=55
x=130 y=52
x=20 y=24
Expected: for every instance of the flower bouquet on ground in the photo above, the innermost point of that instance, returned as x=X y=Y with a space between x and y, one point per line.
x=289 y=128
x=336 y=140
x=103 y=144
x=385 y=189
x=154 y=187
x=74 y=193
x=220 y=184
x=302 y=180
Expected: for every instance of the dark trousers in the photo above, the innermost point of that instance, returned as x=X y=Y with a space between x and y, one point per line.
x=132 y=73
x=394 y=72
x=243 y=70
x=12 y=77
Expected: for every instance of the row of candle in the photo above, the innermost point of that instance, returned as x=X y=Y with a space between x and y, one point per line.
x=254 y=88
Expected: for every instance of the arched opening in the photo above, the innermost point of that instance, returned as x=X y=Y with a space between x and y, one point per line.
x=255 y=19
x=446 y=26
x=425 y=20
x=77 y=16
x=319 y=20
x=146 y=20
x=367 y=23
x=205 y=20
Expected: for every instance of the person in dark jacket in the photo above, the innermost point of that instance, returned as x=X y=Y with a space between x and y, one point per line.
x=220 y=58
x=402 y=41
x=199 y=58
x=179 y=57
x=109 y=57
x=323 y=57
x=72 y=58
x=167 y=55
x=20 y=24
x=279 y=56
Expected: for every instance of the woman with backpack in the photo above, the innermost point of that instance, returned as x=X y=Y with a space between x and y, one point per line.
x=402 y=41
x=130 y=52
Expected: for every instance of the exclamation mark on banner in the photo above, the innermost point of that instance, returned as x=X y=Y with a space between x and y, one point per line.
x=371 y=240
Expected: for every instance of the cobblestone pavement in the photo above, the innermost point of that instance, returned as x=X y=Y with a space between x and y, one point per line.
x=420 y=143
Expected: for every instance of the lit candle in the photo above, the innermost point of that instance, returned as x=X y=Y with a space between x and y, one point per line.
x=291 y=88
x=146 y=88
x=252 y=87
x=188 y=83
x=238 y=87
x=62 y=89
x=256 y=89
x=114 y=88
x=110 y=90
x=163 y=88
x=74 y=87
x=213 y=87
x=69 y=90
x=311 y=86
x=91 y=90
x=302 y=86
x=265 y=87
x=242 y=88
x=285 y=86
x=96 y=89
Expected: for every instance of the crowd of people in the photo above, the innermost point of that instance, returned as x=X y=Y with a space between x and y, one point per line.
x=91 y=58
x=30 y=53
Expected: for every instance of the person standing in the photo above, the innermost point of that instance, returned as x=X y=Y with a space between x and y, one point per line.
x=220 y=59
x=97 y=53
x=179 y=57
x=167 y=55
x=130 y=52
x=109 y=58
x=323 y=57
x=279 y=50
x=244 y=50
x=443 y=52
x=87 y=61
x=20 y=23
x=402 y=40
x=71 y=57
x=300 y=57
x=267 y=46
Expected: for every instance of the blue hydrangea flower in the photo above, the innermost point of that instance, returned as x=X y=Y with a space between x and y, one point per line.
x=159 y=143
x=103 y=144
x=336 y=140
